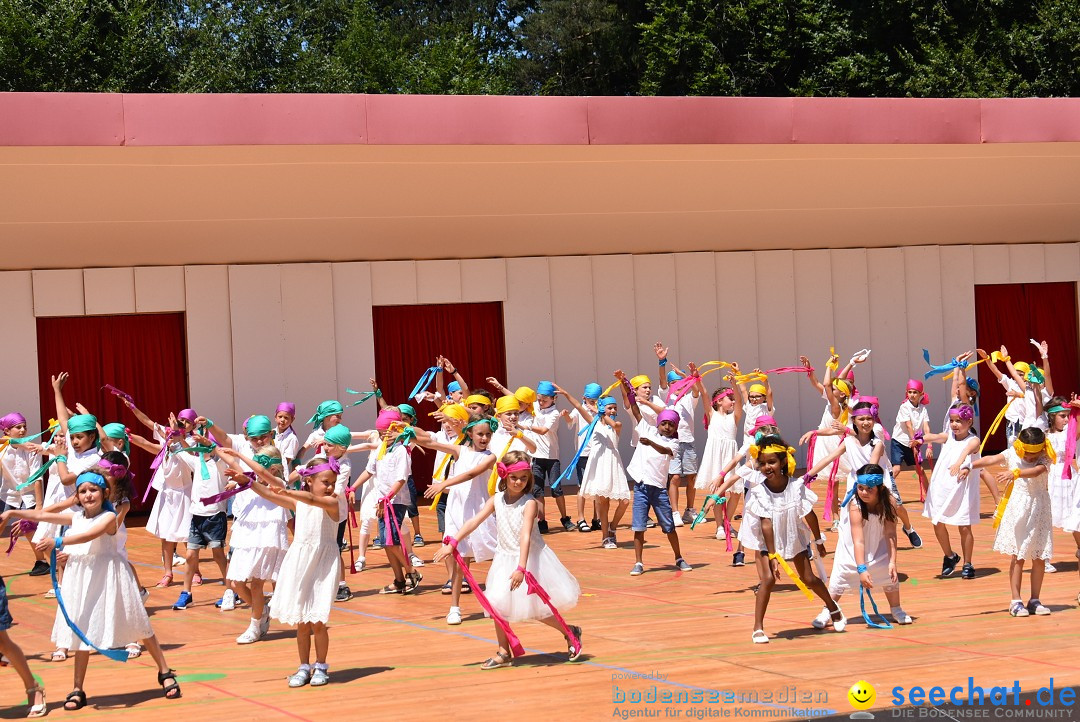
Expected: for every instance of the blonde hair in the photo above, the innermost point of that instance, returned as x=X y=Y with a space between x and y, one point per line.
x=513 y=457
x=274 y=453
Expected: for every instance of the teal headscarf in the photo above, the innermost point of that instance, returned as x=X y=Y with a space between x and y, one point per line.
x=257 y=426
x=82 y=423
x=338 y=435
x=116 y=430
x=326 y=408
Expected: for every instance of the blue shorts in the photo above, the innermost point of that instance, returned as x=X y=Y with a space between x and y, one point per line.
x=582 y=462
x=546 y=471
x=207 y=532
x=413 y=510
x=684 y=462
x=900 y=454
x=656 y=498
x=5 y=616
x=399 y=511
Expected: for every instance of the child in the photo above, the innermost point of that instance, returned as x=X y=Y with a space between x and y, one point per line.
x=1061 y=489
x=577 y=422
x=1013 y=392
x=304 y=591
x=285 y=439
x=759 y=401
x=467 y=494
x=1071 y=520
x=452 y=418
x=734 y=486
x=604 y=479
x=457 y=391
x=35 y=693
x=100 y=594
x=778 y=518
x=208 y=522
x=519 y=548
x=911 y=418
x=684 y=464
x=55 y=492
x=18 y=464
x=1025 y=530
x=649 y=471
x=546 y=465
x=866 y=547
x=953 y=499
x=721 y=421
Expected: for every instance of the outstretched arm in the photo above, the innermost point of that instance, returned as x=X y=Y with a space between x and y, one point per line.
x=468 y=528
x=585 y=413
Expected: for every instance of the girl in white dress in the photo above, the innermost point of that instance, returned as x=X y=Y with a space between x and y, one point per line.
x=604 y=479
x=100 y=594
x=722 y=420
x=952 y=499
x=1025 y=529
x=308 y=577
x=170 y=517
x=778 y=518
x=740 y=475
x=520 y=547
x=466 y=495
x=866 y=547
x=1061 y=495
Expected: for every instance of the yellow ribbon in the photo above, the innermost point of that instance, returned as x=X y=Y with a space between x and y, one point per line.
x=609 y=389
x=1000 y=510
x=493 y=480
x=442 y=465
x=793 y=576
x=752 y=376
x=994 y=426
x=834 y=361
x=994 y=356
x=755 y=450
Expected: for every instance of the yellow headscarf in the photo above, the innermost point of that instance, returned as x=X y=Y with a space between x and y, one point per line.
x=756 y=450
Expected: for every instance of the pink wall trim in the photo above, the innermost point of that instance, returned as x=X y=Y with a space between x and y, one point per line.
x=87 y=119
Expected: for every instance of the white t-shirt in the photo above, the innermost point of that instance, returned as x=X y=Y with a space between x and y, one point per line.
x=288 y=443
x=17 y=466
x=1028 y=416
x=1016 y=408
x=171 y=473
x=395 y=466
x=684 y=407
x=547 y=445
x=751 y=412
x=916 y=415
x=201 y=487
x=578 y=423
x=649 y=466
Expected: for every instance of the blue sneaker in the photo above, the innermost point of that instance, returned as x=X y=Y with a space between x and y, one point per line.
x=184 y=601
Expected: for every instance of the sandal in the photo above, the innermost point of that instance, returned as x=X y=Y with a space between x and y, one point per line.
x=575 y=654
x=583 y=526
x=196 y=581
x=447 y=588
x=165 y=581
x=501 y=659
x=838 y=624
x=59 y=655
x=759 y=637
x=395 y=588
x=172 y=691
x=465 y=588
x=412 y=581
x=36 y=710
x=134 y=650
x=75 y=700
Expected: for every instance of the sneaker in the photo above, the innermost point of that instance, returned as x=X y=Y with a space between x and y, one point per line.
x=738 y=559
x=1037 y=608
x=609 y=543
x=968 y=572
x=1017 y=609
x=51 y=594
x=822 y=619
x=835 y=526
x=416 y=561
x=638 y=570
x=227 y=603
x=1047 y=567
x=948 y=565
x=320 y=677
x=900 y=616
x=344 y=594
x=377 y=544
x=596 y=524
x=40 y=569
x=359 y=566
x=688 y=515
x=144 y=594
x=567 y=524
x=251 y=634
x=343 y=547
x=454 y=616
x=543 y=526
x=677 y=519
x=418 y=541
x=184 y=601
x=914 y=538
x=720 y=535
x=301 y=678
x=649 y=523
x=682 y=566
x=178 y=560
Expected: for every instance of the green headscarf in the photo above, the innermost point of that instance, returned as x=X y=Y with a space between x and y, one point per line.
x=82 y=423
x=258 y=425
x=326 y=408
x=338 y=436
x=116 y=430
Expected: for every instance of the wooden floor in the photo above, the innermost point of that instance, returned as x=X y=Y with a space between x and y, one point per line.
x=392 y=654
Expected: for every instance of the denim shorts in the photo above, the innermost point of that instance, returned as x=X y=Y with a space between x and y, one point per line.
x=5 y=615
x=399 y=514
x=545 y=472
x=413 y=510
x=582 y=462
x=656 y=498
x=207 y=532
x=684 y=463
x=900 y=454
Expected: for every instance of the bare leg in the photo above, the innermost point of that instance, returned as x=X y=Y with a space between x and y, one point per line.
x=673 y=493
x=18 y=660
x=1038 y=572
x=605 y=505
x=761 y=600
x=322 y=642
x=620 y=510
x=691 y=492
x=219 y=558
x=942 y=533
x=303 y=642
x=154 y=648
x=82 y=658
x=967 y=543
x=991 y=484
x=1016 y=576
x=673 y=540
x=806 y=572
x=639 y=545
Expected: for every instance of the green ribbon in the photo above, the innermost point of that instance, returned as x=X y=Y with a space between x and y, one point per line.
x=41 y=472
x=267 y=461
x=406 y=437
x=717 y=500
x=1035 y=375
x=364 y=396
x=202 y=451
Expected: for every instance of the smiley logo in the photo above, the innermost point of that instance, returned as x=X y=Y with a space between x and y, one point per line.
x=861 y=695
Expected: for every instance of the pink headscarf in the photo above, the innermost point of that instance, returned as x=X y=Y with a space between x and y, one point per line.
x=386 y=417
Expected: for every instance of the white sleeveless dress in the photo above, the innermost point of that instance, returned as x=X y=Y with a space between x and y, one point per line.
x=604 y=474
x=949 y=501
x=542 y=563
x=1026 y=530
x=845 y=572
x=786 y=509
x=308 y=577
x=720 y=448
x=464 y=501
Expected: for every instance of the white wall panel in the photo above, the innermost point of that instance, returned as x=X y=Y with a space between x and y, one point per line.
x=695 y=309
x=159 y=289
x=484 y=279
x=814 y=334
x=209 y=341
x=925 y=325
x=655 y=311
x=776 y=339
x=21 y=368
x=893 y=359
x=991 y=264
x=58 y=293
x=258 y=339
x=530 y=353
x=109 y=291
x=1027 y=263
x=393 y=283
x=573 y=329
x=958 y=297
x=309 y=347
x=438 y=282
x=616 y=333
x=354 y=340
x=1062 y=261
x=737 y=309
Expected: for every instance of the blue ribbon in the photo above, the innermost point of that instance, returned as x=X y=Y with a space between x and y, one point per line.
x=943 y=369
x=866 y=617
x=117 y=655
x=587 y=432
x=426 y=380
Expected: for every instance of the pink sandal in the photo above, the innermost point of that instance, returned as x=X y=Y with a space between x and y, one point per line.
x=196 y=580
x=165 y=581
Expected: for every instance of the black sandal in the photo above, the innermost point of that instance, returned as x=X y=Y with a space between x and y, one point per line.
x=398 y=587
x=77 y=698
x=583 y=526
x=500 y=660
x=173 y=690
x=575 y=654
x=412 y=581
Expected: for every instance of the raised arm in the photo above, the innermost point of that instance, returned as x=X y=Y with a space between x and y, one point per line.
x=768 y=395
x=451 y=369
x=632 y=408
x=58 y=395
x=485 y=467
x=810 y=374
x=143 y=418
x=494 y=383
x=661 y=356
x=585 y=413
x=1044 y=351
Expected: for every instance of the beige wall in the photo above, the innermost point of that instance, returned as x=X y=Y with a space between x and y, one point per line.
x=258 y=334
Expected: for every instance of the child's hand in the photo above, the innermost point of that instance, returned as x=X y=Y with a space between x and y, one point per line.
x=45 y=545
x=516 y=579
x=81 y=409
x=559 y=390
x=960 y=474
x=804 y=361
x=1044 y=350
x=492 y=381
x=448 y=366
x=661 y=350
x=226 y=451
x=866 y=581
x=805 y=438
x=774 y=566
x=33 y=448
x=432 y=491
x=279 y=490
x=374 y=384
x=59 y=381
x=1004 y=351
x=200 y=421
x=892 y=573
x=442 y=553
x=692 y=368
x=982 y=354
x=965 y=356
x=1003 y=477
x=619 y=374
x=929 y=455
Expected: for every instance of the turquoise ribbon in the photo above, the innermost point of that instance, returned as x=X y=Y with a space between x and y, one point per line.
x=202 y=451
x=717 y=501
x=364 y=395
x=1035 y=376
x=866 y=617
x=426 y=380
x=28 y=439
x=41 y=472
x=943 y=369
x=587 y=432
x=117 y=655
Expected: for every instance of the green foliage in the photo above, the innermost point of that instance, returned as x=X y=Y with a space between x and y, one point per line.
x=560 y=47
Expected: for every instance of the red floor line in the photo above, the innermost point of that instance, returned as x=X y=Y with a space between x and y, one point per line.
x=255 y=702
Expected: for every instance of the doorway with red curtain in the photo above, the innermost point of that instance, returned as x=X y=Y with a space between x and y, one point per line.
x=145 y=355
x=1012 y=313
x=409 y=338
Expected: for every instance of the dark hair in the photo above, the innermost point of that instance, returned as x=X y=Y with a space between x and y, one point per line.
x=884 y=495
x=124 y=485
x=1032 y=435
x=485 y=392
x=1057 y=401
x=775 y=440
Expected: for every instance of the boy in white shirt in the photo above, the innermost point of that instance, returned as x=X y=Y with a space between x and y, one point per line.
x=546 y=466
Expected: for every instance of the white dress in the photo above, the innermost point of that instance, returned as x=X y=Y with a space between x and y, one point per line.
x=55 y=492
x=604 y=474
x=1061 y=490
x=464 y=501
x=557 y=581
x=259 y=531
x=170 y=517
x=1026 y=530
x=845 y=572
x=786 y=509
x=720 y=448
x=308 y=579
x=825 y=445
x=99 y=593
x=949 y=501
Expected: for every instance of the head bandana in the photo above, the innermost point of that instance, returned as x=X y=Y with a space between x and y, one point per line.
x=118 y=431
x=962 y=411
x=721 y=394
x=338 y=435
x=453 y=387
x=407 y=410
x=118 y=471
x=187 y=415
x=607 y=401
x=1044 y=448
x=258 y=425
x=386 y=417
x=90 y=477
x=1023 y=367
x=525 y=395
x=12 y=419
x=492 y=424
x=287 y=407
x=82 y=423
x=640 y=380
x=762 y=421
x=667 y=415
x=266 y=460
x=756 y=451
x=758 y=389
x=331 y=464
x=507 y=404
x=326 y=408
x=478 y=399
x=593 y=391
x=545 y=388
x=505 y=471
x=454 y=411
x=843 y=386
x=870 y=480
x=673 y=376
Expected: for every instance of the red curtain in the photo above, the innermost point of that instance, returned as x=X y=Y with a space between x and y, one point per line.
x=1012 y=313
x=144 y=355
x=407 y=340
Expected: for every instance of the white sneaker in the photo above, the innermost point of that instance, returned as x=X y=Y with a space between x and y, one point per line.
x=51 y=594
x=178 y=560
x=228 y=601
x=360 y=565
x=900 y=616
x=677 y=518
x=822 y=619
x=1038 y=608
x=144 y=594
x=720 y=534
x=454 y=617
x=688 y=516
x=251 y=635
x=1049 y=568
x=416 y=561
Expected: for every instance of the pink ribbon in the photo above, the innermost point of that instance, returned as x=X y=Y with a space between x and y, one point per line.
x=535 y=588
x=680 y=387
x=331 y=465
x=830 y=491
x=727 y=527
x=20 y=528
x=1070 y=443
x=170 y=434
x=229 y=493
x=808 y=370
x=390 y=518
x=918 y=467
x=117 y=392
x=516 y=649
